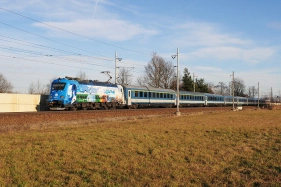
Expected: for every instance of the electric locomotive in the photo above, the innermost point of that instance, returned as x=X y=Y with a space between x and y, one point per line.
x=72 y=93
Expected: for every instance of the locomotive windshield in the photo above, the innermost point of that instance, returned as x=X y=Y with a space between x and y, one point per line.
x=58 y=86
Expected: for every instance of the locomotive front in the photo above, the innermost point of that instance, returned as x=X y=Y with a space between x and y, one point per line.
x=62 y=94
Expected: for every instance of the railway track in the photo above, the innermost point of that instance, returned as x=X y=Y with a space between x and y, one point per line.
x=26 y=118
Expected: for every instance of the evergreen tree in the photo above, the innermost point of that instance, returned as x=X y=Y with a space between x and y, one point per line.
x=187 y=82
x=201 y=86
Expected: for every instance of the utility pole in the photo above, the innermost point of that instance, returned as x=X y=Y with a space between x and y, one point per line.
x=194 y=83
x=258 y=94
x=271 y=96
x=232 y=90
x=116 y=58
x=221 y=83
x=178 y=83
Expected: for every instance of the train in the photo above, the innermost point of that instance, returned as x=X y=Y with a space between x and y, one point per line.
x=75 y=94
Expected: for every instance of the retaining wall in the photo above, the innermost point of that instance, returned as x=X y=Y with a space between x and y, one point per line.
x=22 y=102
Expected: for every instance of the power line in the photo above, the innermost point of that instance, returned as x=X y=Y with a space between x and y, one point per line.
x=67 y=52
x=54 y=49
x=54 y=56
x=182 y=11
x=46 y=62
x=49 y=39
x=45 y=55
x=44 y=37
x=74 y=33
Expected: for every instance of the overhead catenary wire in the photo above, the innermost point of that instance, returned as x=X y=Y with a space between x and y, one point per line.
x=51 y=48
x=46 y=62
x=182 y=11
x=76 y=33
x=83 y=36
x=46 y=38
x=73 y=32
x=14 y=49
x=39 y=54
x=65 y=45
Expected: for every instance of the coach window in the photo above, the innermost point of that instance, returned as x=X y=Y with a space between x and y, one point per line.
x=153 y=94
x=136 y=94
x=145 y=94
x=141 y=94
x=161 y=95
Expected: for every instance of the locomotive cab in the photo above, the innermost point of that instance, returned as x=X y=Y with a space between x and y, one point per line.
x=62 y=94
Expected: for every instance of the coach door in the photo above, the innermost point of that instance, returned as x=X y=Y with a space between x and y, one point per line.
x=129 y=97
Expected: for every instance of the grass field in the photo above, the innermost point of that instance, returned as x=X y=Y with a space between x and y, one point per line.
x=215 y=149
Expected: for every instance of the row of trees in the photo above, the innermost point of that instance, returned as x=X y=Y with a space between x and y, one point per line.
x=159 y=73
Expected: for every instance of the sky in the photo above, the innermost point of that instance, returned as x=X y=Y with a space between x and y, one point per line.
x=42 y=40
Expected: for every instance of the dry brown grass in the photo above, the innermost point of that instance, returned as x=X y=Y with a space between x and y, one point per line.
x=214 y=149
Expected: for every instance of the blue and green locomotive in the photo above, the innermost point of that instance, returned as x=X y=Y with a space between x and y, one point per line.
x=72 y=93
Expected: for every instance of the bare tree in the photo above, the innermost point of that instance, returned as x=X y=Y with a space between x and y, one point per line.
x=82 y=75
x=140 y=81
x=124 y=77
x=38 y=88
x=252 y=91
x=210 y=87
x=239 y=87
x=48 y=85
x=158 y=73
x=221 y=89
x=5 y=85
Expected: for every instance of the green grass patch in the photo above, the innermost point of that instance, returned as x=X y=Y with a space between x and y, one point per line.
x=214 y=149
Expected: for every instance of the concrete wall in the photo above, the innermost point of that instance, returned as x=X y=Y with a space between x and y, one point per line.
x=22 y=102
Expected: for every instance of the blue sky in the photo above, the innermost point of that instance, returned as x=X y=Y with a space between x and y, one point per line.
x=41 y=40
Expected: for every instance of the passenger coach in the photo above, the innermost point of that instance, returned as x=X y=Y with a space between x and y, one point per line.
x=214 y=100
x=192 y=99
x=140 y=96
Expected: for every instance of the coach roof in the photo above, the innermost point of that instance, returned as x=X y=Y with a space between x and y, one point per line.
x=147 y=88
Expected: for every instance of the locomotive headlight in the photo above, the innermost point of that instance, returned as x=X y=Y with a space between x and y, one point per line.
x=62 y=96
